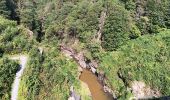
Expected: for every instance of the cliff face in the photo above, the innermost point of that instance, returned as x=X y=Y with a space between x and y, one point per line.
x=142 y=91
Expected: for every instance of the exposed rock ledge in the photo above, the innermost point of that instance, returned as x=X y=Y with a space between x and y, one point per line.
x=79 y=58
x=141 y=91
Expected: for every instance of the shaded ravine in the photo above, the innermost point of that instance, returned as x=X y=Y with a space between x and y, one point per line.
x=87 y=75
x=95 y=87
x=23 y=60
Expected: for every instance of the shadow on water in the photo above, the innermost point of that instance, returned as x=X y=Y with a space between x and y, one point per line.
x=95 y=87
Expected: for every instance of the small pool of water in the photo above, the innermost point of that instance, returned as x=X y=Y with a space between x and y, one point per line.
x=95 y=87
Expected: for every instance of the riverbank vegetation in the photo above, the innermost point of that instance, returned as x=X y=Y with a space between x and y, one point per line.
x=128 y=39
x=144 y=59
x=51 y=65
x=48 y=72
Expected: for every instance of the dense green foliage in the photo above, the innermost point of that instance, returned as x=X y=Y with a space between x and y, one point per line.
x=150 y=15
x=42 y=73
x=134 y=44
x=4 y=10
x=148 y=60
x=144 y=59
x=8 y=70
x=48 y=72
x=9 y=9
x=12 y=38
x=117 y=28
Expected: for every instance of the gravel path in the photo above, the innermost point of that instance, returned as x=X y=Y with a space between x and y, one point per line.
x=15 y=86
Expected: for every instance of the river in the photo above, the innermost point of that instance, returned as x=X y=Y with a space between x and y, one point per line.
x=95 y=87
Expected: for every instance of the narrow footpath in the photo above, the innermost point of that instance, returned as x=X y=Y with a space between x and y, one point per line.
x=15 y=87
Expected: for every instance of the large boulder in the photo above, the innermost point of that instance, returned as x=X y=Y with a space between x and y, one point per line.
x=141 y=91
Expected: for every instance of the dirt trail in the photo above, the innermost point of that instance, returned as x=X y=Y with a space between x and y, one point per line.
x=23 y=60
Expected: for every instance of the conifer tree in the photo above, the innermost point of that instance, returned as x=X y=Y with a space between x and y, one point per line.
x=4 y=11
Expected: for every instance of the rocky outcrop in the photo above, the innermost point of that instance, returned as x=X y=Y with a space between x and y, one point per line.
x=101 y=25
x=40 y=50
x=73 y=94
x=141 y=91
x=78 y=57
x=140 y=8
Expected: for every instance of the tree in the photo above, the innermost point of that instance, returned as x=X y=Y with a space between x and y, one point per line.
x=9 y=9
x=30 y=18
x=8 y=70
x=116 y=28
x=4 y=10
x=12 y=6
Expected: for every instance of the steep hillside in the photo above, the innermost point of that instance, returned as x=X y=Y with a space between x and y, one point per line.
x=125 y=43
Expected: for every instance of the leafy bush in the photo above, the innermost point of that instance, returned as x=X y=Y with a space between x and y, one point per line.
x=116 y=29
x=144 y=59
x=48 y=72
x=8 y=70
